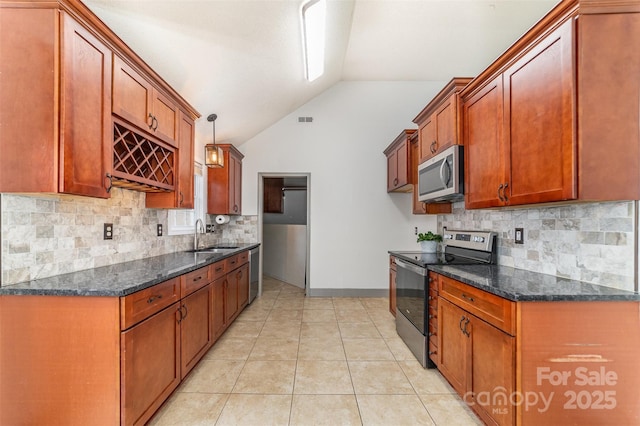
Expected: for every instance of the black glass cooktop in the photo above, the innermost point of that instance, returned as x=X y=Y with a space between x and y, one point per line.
x=453 y=256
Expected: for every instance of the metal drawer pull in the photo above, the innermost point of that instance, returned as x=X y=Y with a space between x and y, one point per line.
x=433 y=352
x=220 y=268
x=197 y=279
x=470 y=299
x=154 y=298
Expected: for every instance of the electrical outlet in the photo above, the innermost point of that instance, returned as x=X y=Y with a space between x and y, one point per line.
x=210 y=228
x=108 y=231
x=415 y=231
x=519 y=236
x=159 y=230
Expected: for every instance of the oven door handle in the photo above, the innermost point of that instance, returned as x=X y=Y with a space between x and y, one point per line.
x=413 y=268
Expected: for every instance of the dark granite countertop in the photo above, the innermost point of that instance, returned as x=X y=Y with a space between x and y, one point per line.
x=121 y=279
x=520 y=285
x=517 y=284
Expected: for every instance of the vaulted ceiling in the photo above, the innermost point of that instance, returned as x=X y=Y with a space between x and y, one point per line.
x=243 y=59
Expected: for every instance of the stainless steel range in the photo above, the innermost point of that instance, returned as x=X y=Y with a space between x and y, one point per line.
x=412 y=283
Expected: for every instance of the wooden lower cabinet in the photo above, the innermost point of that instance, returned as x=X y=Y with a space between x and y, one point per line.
x=196 y=333
x=242 y=276
x=150 y=371
x=217 y=307
x=78 y=360
x=540 y=362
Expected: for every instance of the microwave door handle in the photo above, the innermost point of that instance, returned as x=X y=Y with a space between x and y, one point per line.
x=443 y=179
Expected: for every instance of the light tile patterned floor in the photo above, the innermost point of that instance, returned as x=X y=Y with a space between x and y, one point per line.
x=295 y=360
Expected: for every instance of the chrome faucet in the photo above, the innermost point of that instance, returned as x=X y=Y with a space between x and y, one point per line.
x=196 y=241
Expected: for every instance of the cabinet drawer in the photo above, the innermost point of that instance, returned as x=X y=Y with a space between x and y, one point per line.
x=243 y=257
x=493 y=309
x=218 y=269
x=232 y=262
x=194 y=280
x=142 y=304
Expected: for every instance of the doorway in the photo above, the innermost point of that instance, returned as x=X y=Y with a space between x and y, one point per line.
x=284 y=226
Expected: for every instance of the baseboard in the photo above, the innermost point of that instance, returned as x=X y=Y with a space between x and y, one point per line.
x=348 y=292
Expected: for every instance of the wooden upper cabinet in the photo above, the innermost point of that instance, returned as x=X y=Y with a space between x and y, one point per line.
x=273 y=195
x=567 y=125
x=521 y=124
x=439 y=123
x=136 y=100
x=398 y=164
x=224 y=184
x=484 y=146
x=539 y=94
x=55 y=113
x=183 y=196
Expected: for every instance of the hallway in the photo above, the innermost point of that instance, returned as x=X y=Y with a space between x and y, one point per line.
x=293 y=360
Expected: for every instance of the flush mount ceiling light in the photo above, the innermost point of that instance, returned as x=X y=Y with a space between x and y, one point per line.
x=313 y=28
x=213 y=156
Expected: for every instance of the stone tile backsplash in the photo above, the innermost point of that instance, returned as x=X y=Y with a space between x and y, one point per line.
x=588 y=242
x=50 y=235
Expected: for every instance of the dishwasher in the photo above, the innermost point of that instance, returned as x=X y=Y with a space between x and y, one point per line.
x=254 y=273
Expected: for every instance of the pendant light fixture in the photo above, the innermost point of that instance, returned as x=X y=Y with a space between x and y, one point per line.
x=213 y=155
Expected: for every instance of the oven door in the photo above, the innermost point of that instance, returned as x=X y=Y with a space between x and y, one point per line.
x=411 y=293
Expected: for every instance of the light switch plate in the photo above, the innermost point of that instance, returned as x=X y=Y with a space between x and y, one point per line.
x=159 y=230
x=519 y=236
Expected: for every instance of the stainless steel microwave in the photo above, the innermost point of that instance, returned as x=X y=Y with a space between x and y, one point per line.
x=441 y=178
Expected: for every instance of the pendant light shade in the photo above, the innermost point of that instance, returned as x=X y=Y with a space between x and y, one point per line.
x=213 y=155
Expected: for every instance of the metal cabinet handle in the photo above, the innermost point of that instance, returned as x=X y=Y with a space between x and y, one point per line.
x=110 y=178
x=395 y=181
x=432 y=147
x=465 y=331
x=433 y=352
x=469 y=298
x=504 y=192
x=151 y=124
x=181 y=198
x=460 y=324
x=235 y=208
x=154 y=298
x=499 y=193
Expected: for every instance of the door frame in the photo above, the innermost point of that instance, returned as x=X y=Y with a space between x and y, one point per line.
x=261 y=176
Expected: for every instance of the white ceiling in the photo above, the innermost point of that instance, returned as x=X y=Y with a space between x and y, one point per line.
x=242 y=59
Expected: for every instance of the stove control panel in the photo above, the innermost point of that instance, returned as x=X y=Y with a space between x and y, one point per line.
x=477 y=240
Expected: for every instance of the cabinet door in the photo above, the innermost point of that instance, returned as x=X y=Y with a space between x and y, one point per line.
x=196 y=334
x=217 y=307
x=493 y=372
x=454 y=359
x=392 y=170
x=414 y=155
x=539 y=93
x=235 y=187
x=150 y=365
x=445 y=118
x=86 y=136
x=132 y=95
x=185 y=163
x=230 y=297
x=428 y=144
x=273 y=195
x=484 y=148
x=242 y=276
x=166 y=115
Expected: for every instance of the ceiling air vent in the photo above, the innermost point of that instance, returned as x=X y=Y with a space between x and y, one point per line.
x=305 y=119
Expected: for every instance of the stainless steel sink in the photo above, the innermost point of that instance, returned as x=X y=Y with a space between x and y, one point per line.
x=211 y=250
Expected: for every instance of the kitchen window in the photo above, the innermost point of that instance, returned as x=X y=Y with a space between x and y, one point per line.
x=181 y=221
